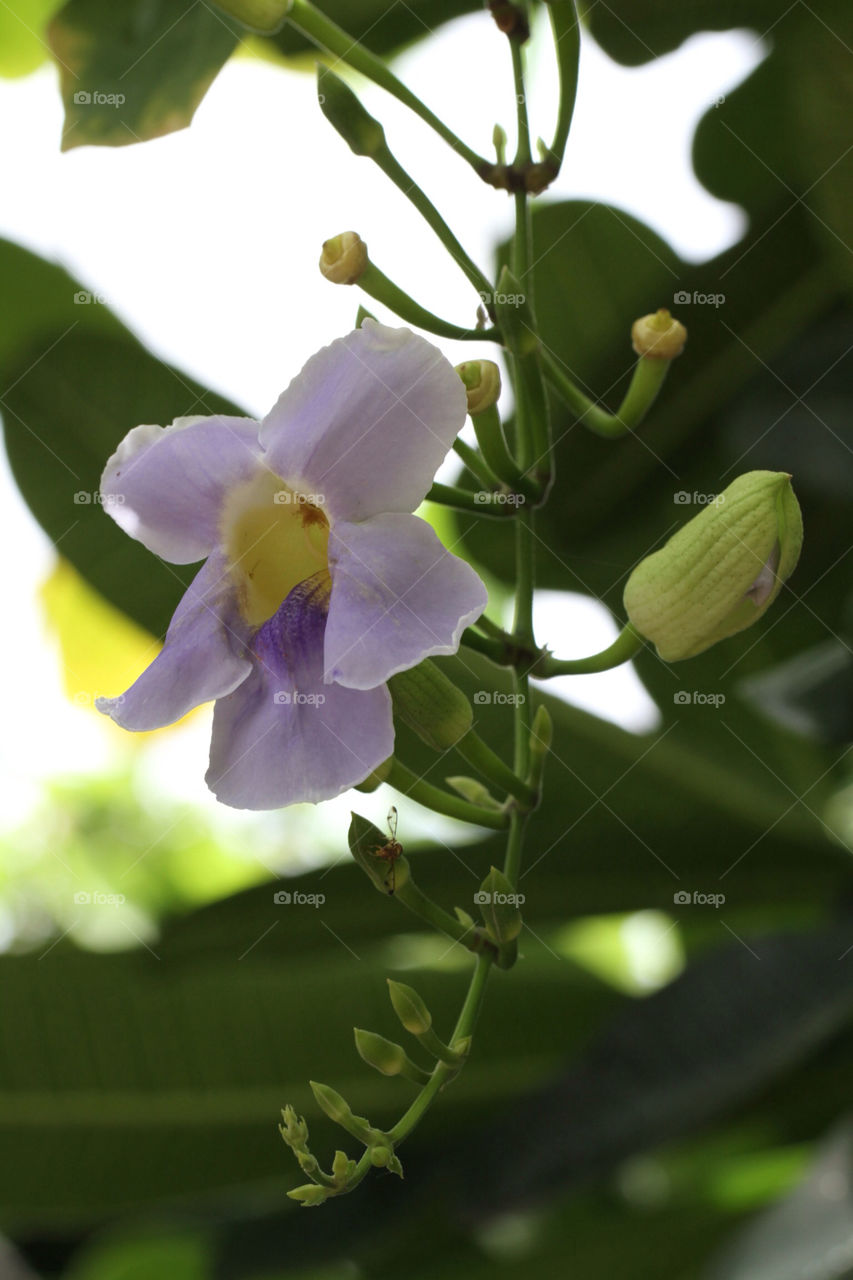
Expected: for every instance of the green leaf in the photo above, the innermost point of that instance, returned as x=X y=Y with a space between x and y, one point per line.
x=22 y=44
x=66 y=412
x=666 y=1065
x=75 y=381
x=131 y=1080
x=636 y=31
x=136 y=72
x=807 y=1233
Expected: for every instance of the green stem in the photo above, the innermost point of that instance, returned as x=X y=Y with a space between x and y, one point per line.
x=375 y=283
x=493 y=446
x=646 y=381
x=484 y=503
x=327 y=35
x=566 y=31
x=439 y=801
x=530 y=400
x=482 y=758
x=365 y=136
x=626 y=645
x=476 y=464
x=490 y=646
x=465 y=1024
x=416 y=901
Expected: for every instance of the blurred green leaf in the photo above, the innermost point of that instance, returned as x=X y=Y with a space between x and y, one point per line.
x=810 y=1233
x=136 y=72
x=23 y=47
x=129 y=1080
x=636 y=31
x=668 y=1064
x=74 y=382
x=142 y=1256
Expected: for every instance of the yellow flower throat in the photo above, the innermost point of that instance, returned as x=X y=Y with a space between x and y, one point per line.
x=274 y=538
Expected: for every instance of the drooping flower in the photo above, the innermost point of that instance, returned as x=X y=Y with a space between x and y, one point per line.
x=318 y=582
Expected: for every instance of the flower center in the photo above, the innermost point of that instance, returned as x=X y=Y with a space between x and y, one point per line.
x=274 y=537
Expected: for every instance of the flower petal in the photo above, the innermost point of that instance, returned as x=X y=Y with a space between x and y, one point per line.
x=284 y=736
x=367 y=422
x=204 y=657
x=397 y=597
x=165 y=485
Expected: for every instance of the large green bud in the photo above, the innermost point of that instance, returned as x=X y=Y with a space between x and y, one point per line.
x=722 y=571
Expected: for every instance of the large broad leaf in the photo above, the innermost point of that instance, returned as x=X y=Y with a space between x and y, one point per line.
x=668 y=1064
x=137 y=71
x=138 y=1078
x=635 y=31
x=73 y=382
x=810 y=1233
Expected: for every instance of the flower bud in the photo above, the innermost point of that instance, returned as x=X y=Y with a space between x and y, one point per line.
x=721 y=571
x=658 y=336
x=426 y=700
x=342 y=1168
x=472 y=790
x=337 y=1109
x=498 y=903
x=482 y=379
x=309 y=1195
x=294 y=1130
x=384 y=1055
x=362 y=133
x=409 y=1008
x=344 y=258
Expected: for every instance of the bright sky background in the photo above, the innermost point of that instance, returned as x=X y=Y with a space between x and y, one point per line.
x=205 y=243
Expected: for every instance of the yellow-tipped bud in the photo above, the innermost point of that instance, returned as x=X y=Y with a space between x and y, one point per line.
x=482 y=379
x=344 y=258
x=658 y=336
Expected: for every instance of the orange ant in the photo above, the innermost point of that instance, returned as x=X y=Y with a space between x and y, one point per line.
x=391 y=850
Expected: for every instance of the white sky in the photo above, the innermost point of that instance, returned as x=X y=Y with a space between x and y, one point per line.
x=206 y=242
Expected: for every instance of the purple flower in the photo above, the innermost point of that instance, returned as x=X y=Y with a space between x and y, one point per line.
x=318 y=582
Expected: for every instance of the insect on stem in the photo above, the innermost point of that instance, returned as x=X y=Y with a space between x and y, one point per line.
x=390 y=851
